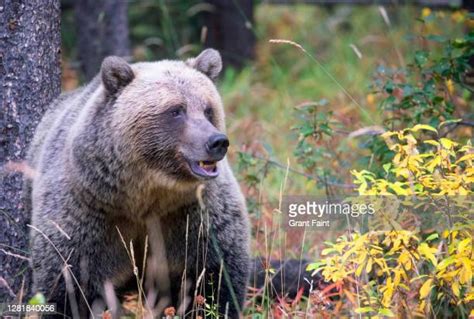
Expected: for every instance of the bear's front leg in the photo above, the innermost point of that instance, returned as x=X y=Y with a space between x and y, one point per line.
x=66 y=276
x=229 y=264
x=70 y=268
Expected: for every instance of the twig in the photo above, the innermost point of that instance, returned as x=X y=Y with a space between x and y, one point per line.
x=4 y=283
x=455 y=125
x=14 y=255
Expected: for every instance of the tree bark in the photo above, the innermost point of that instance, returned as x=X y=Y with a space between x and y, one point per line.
x=30 y=42
x=229 y=30
x=102 y=30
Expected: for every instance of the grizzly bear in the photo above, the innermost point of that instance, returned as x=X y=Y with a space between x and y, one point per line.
x=132 y=164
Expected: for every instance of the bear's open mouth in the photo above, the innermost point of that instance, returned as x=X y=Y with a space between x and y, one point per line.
x=206 y=169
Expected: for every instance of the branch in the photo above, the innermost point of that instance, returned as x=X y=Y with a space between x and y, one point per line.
x=455 y=125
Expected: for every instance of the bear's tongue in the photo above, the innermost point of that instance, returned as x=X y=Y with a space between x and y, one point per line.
x=205 y=168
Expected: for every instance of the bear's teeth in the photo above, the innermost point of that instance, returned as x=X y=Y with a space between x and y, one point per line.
x=208 y=166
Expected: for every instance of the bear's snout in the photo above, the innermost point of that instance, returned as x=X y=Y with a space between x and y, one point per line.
x=217 y=146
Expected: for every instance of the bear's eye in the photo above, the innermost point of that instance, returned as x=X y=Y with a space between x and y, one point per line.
x=209 y=114
x=177 y=111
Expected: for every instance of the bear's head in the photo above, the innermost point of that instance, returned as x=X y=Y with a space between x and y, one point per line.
x=168 y=115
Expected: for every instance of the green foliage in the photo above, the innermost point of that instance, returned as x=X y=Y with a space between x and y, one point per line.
x=37 y=299
x=424 y=92
x=248 y=165
x=314 y=126
x=164 y=29
x=405 y=271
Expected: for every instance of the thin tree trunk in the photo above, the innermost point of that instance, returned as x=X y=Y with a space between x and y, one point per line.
x=230 y=30
x=30 y=42
x=102 y=30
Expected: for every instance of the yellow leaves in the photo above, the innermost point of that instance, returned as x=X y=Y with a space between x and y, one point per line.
x=470 y=295
x=363 y=175
x=389 y=134
x=466 y=158
x=465 y=246
x=455 y=271
x=420 y=312
x=446 y=169
x=402 y=172
x=458 y=16
x=405 y=260
x=387 y=292
x=398 y=276
x=398 y=240
x=452 y=234
x=327 y=251
x=445 y=263
x=358 y=272
x=370 y=98
x=456 y=289
x=447 y=144
x=418 y=127
x=363 y=310
x=428 y=252
x=450 y=86
x=410 y=139
x=363 y=178
x=399 y=190
x=386 y=312
x=465 y=275
x=427 y=182
x=396 y=260
x=397 y=159
x=426 y=288
x=432 y=142
x=465 y=260
x=425 y=12
x=435 y=162
x=368 y=268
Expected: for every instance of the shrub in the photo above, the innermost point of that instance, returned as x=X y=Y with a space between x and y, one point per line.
x=407 y=271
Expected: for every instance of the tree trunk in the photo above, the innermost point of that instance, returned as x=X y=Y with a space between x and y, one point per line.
x=229 y=30
x=102 y=30
x=29 y=81
x=468 y=5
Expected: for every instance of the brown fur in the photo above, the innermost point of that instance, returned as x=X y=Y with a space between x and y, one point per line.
x=117 y=154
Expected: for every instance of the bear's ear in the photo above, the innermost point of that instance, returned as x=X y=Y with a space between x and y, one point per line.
x=116 y=74
x=208 y=62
